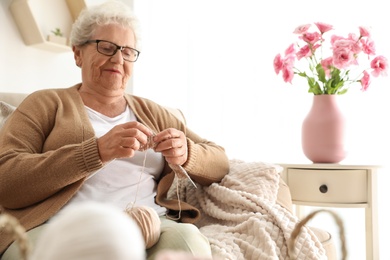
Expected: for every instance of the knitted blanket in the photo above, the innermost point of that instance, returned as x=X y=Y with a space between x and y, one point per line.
x=241 y=218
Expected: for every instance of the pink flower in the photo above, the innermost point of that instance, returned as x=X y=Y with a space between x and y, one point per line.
x=285 y=66
x=290 y=50
x=323 y=27
x=311 y=38
x=379 y=65
x=288 y=74
x=368 y=46
x=365 y=81
x=302 y=29
x=364 y=32
x=343 y=57
x=304 y=52
x=278 y=63
x=345 y=52
x=288 y=61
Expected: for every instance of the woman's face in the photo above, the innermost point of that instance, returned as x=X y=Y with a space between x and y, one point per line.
x=107 y=75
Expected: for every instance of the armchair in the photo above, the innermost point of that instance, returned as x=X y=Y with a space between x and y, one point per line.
x=235 y=210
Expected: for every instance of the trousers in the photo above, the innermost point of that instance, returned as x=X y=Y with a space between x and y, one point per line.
x=174 y=236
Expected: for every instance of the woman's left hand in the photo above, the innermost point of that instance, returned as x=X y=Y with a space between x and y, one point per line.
x=172 y=143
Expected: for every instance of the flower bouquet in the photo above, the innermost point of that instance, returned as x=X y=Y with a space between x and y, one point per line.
x=330 y=70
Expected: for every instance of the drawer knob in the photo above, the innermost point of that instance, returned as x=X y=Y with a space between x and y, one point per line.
x=323 y=188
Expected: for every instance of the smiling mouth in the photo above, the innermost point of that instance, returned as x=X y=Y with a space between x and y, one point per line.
x=114 y=71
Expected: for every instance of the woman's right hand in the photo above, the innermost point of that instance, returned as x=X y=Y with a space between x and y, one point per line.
x=123 y=140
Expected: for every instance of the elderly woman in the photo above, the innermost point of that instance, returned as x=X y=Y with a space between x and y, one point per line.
x=64 y=146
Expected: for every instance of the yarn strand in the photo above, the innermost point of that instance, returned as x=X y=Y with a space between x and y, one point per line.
x=139 y=179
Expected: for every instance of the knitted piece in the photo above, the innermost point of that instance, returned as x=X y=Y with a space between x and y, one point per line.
x=241 y=218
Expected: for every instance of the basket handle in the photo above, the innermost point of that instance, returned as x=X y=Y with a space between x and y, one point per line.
x=298 y=227
x=12 y=226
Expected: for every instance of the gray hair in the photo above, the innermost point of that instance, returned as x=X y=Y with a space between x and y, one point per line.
x=110 y=12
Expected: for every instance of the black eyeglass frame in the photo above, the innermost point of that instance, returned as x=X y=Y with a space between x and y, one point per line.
x=116 y=50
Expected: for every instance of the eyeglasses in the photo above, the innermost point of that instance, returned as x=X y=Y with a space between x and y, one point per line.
x=109 y=49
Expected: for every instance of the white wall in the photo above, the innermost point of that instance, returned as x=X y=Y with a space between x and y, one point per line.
x=25 y=68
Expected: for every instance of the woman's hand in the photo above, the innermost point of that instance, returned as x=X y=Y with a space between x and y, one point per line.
x=122 y=141
x=172 y=143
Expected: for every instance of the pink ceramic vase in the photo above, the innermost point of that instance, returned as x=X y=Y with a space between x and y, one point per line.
x=323 y=131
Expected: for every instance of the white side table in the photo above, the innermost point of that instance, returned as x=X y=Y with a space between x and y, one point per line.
x=337 y=185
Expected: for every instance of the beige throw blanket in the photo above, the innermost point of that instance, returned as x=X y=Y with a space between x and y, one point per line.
x=240 y=216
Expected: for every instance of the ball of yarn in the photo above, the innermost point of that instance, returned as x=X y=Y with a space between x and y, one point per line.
x=149 y=223
x=90 y=231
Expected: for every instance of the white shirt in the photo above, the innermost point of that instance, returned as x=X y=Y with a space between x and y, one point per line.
x=122 y=182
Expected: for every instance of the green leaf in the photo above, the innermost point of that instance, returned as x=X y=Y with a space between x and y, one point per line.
x=321 y=73
x=314 y=87
x=341 y=92
x=302 y=74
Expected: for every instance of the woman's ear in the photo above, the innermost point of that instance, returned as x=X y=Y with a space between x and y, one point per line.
x=77 y=56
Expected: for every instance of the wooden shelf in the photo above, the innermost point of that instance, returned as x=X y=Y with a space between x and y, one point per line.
x=75 y=7
x=29 y=29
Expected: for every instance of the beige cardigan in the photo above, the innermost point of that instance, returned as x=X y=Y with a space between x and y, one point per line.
x=48 y=147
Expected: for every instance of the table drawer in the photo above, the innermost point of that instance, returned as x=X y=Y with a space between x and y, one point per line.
x=328 y=186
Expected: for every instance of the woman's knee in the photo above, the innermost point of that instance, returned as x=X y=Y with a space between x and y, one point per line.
x=181 y=237
x=185 y=234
